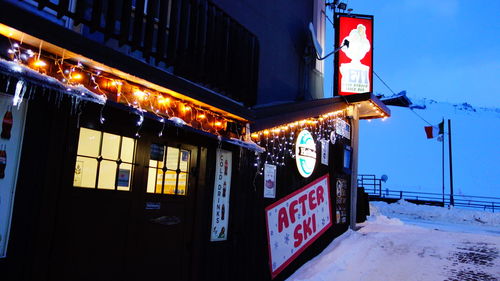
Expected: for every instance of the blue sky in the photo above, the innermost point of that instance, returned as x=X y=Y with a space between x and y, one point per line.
x=447 y=50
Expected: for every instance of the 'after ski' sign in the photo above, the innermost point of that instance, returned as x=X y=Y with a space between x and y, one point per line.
x=296 y=221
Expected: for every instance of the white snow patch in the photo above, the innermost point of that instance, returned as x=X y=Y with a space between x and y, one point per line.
x=388 y=249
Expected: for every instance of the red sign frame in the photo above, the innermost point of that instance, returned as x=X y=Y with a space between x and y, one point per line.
x=354 y=65
x=306 y=242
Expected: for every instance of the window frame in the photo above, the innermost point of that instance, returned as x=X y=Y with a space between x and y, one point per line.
x=191 y=165
x=99 y=159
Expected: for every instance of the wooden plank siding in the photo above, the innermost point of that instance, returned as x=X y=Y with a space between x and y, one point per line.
x=196 y=38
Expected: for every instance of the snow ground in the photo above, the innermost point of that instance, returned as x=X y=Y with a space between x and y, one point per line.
x=407 y=242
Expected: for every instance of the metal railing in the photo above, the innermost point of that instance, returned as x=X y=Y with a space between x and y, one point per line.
x=373 y=186
x=195 y=37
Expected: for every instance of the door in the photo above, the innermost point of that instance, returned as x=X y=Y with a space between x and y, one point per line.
x=165 y=212
x=129 y=212
x=93 y=220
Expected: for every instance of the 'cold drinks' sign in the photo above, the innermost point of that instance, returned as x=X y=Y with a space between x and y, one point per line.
x=222 y=188
x=295 y=221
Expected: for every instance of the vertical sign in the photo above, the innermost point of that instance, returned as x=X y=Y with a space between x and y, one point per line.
x=269 y=181
x=11 y=135
x=222 y=188
x=296 y=221
x=354 y=63
x=324 y=152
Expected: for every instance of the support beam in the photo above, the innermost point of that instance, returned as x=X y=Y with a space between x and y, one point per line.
x=354 y=169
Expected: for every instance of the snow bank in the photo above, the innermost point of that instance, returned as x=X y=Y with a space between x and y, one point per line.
x=406 y=209
x=386 y=248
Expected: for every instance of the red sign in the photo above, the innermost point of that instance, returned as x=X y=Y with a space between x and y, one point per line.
x=354 y=63
x=296 y=221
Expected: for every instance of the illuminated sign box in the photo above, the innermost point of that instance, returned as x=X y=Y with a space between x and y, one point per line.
x=354 y=62
x=296 y=221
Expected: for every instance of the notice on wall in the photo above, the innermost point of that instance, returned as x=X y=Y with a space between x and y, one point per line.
x=269 y=181
x=342 y=128
x=324 y=152
x=341 y=201
x=222 y=188
x=296 y=221
x=12 y=128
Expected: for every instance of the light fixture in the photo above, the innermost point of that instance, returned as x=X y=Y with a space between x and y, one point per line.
x=39 y=63
x=76 y=76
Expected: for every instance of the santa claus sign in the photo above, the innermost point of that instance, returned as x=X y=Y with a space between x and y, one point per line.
x=354 y=60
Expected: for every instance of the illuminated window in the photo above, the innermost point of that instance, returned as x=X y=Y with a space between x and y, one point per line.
x=104 y=161
x=168 y=170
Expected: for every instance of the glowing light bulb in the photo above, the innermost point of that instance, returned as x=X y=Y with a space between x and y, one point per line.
x=202 y=116
x=39 y=63
x=140 y=94
x=76 y=76
x=162 y=100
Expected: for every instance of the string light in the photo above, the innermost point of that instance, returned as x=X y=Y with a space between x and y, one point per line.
x=39 y=63
x=279 y=141
x=109 y=86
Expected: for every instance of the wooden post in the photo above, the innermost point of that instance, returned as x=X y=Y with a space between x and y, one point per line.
x=452 y=201
x=354 y=170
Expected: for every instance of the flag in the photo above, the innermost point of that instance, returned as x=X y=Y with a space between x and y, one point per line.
x=434 y=131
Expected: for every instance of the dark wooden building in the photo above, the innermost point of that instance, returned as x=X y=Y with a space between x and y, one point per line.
x=140 y=134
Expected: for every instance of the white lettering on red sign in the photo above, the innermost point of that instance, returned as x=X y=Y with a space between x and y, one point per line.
x=296 y=221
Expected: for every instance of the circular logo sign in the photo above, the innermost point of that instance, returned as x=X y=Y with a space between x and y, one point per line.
x=305 y=153
x=333 y=137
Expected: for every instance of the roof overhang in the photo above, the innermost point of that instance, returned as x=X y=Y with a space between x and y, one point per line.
x=61 y=41
x=369 y=107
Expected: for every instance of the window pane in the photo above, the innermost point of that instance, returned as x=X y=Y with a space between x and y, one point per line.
x=128 y=148
x=151 y=180
x=107 y=175
x=159 y=181
x=110 y=146
x=172 y=158
x=182 y=186
x=156 y=152
x=184 y=163
x=89 y=142
x=85 y=172
x=124 y=176
x=153 y=163
x=170 y=181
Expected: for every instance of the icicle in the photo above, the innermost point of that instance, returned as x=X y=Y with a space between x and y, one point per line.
x=8 y=84
x=101 y=118
x=18 y=94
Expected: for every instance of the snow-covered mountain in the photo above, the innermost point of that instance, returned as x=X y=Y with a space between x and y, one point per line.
x=398 y=148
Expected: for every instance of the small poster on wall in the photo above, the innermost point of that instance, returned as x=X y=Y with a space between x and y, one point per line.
x=341 y=201
x=269 y=181
x=324 y=152
x=342 y=128
x=296 y=221
x=11 y=136
x=222 y=188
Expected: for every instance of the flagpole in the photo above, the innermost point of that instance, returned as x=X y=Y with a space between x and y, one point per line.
x=442 y=161
x=452 y=202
